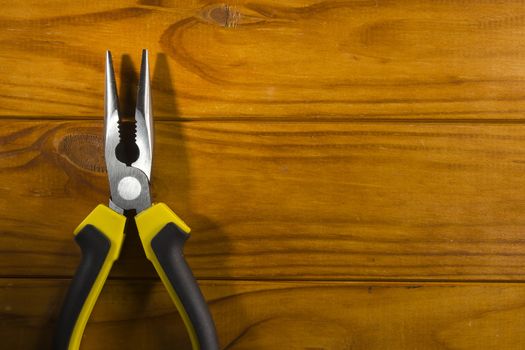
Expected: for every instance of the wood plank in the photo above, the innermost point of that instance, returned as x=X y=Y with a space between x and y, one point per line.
x=283 y=200
x=265 y=59
x=270 y=315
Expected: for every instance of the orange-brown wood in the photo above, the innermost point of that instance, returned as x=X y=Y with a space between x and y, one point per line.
x=297 y=59
x=271 y=315
x=283 y=200
x=314 y=142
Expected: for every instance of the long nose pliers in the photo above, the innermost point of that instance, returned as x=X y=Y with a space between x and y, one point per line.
x=162 y=233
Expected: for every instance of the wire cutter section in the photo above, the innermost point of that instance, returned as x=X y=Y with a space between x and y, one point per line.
x=162 y=233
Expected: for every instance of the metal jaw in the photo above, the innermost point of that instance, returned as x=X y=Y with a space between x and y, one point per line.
x=129 y=185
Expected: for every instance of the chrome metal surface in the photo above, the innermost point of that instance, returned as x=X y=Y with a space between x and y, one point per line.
x=111 y=116
x=129 y=188
x=144 y=119
x=115 y=207
x=134 y=192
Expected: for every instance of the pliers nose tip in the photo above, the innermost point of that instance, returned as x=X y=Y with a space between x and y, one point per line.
x=144 y=118
x=110 y=92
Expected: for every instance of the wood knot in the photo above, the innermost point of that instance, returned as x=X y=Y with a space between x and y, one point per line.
x=224 y=15
x=86 y=151
x=228 y=16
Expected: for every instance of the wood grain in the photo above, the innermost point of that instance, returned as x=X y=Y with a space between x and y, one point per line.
x=283 y=200
x=270 y=315
x=265 y=59
x=352 y=170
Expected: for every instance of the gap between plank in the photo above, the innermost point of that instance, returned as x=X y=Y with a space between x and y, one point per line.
x=455 y=281
x=301 y=119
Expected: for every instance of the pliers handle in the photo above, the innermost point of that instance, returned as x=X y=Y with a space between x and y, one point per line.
x=163 y=235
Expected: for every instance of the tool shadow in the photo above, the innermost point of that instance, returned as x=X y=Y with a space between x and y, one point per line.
x=164 y=328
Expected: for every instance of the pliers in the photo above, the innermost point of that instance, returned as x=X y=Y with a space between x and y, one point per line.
x=162 y=233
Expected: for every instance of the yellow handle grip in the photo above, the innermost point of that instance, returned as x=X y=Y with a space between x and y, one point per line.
x=163 y=235
x=100 y=237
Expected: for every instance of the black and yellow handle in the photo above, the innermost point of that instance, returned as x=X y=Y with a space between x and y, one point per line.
x=100 y=238
x=163 y=235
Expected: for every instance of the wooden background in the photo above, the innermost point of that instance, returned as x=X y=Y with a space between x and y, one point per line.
x=353 y=171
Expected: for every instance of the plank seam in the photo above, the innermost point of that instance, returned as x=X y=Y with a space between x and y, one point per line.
x=288 y=280
x=312 y=120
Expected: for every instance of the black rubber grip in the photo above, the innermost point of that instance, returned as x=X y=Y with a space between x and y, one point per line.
x=168 y=247
x=95 y=247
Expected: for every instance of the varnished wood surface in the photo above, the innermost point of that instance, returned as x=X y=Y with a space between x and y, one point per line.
x=286 y=315
x=308 y=144
x=283 y=200
x=270 y=59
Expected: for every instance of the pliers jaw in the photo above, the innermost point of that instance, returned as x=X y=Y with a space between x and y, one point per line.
x=129 y=184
